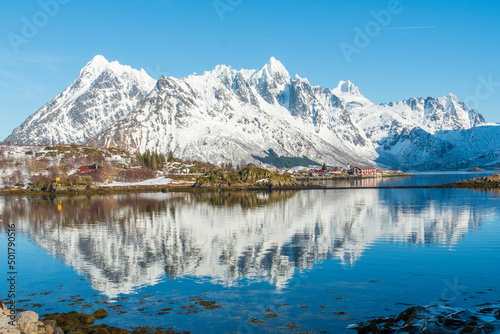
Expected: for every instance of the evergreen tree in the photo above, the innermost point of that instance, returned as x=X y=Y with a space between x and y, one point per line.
x=170 y=156
x=151 y=160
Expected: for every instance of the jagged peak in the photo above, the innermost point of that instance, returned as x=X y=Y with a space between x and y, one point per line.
x=347 y=88
x=300 y=79
x=274 y=69
x=218 y=71
x=100 y=64
x=449 y=98
x=274 y=66
x=96 y=66
x=99 y=59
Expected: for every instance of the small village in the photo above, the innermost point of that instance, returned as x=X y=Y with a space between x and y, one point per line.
x=23 y=166
x=324 y=171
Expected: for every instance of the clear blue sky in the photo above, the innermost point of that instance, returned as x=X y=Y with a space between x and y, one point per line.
x=425 y=48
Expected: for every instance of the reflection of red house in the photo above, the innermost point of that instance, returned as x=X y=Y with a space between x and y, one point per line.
x=87 y=169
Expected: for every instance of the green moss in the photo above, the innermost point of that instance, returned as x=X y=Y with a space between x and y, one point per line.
x=234 y=177
x=203 y=180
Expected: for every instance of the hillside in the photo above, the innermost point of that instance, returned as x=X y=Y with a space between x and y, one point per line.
x=227 y=115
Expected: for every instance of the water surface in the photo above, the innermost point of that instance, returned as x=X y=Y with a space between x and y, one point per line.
x=318 y=260
x=418 y=179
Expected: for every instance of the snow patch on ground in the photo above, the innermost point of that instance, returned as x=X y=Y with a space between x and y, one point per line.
x=151 y=182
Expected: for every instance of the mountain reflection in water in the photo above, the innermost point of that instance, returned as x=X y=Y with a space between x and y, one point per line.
x=123 y=242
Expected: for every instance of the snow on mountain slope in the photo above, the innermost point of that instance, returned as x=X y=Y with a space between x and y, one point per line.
x=102 y=94
x=228 y=115
x=418 y=149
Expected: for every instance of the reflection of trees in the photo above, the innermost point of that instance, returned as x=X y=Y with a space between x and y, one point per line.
x=125 y=241
x=80 y=210
x=246 y=199
x=77 y=210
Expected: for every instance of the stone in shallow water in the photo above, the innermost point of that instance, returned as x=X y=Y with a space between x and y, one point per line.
x=71 y=319
x=100 y=313
x=434 y=320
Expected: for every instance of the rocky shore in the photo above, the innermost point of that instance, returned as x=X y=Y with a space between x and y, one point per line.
x=54 y=189
x=436 y=319
x=29 y=322
x=247 y=179
x=485 y=182
x=222 y=182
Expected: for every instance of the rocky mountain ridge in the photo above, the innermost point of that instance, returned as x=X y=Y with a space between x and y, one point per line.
x=228 y=115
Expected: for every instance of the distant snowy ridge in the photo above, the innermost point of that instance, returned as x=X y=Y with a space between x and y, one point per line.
x=226 y=115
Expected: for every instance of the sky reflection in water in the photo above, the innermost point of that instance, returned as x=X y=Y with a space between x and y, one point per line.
x=306 y=256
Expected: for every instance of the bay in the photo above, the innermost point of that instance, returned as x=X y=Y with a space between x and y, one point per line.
x=280 y=261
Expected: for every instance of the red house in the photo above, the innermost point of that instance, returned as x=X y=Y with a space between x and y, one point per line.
x=86 y=169
x=362 y=171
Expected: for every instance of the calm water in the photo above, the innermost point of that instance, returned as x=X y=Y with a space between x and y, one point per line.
x=419 y=179
x=319 y=260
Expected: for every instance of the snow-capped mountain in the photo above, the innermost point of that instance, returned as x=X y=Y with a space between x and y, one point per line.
x=228 y=115
x=418 y=149
x=102 y=94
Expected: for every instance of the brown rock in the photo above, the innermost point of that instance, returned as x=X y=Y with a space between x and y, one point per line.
x=9 y=331
x=41 y=330
x=99 y=330
x=100 y=313
x=76 y=330
x=49 y=329
x=4 y=309
x=28 y=327
x=71 y=319
x=51 y=323
x=26 y=317
x=494 y=178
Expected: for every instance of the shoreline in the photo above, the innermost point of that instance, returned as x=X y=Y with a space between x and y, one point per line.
x=191 y=189
x=485 y=183
x=484 y=318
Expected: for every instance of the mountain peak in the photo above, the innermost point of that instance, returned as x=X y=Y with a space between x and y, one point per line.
x=347 y=87
x=451 y=96
x=99 y=64
x=221 y=69
x=274 y=67
x=240 y=114
x=96 y=65
x=449 y=99
x=99 y=59
x=274 y=71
